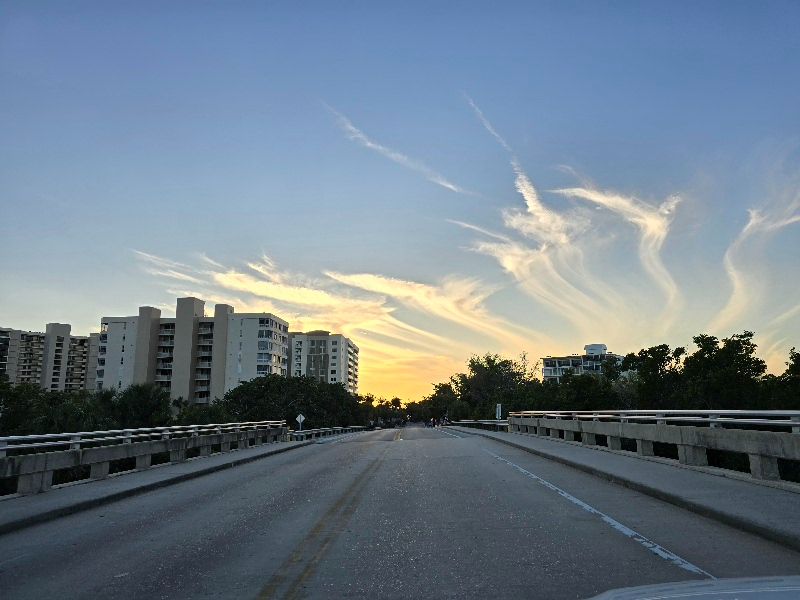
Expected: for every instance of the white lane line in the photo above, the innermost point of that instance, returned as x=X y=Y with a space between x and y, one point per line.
x=659 y=551
x=451 y=434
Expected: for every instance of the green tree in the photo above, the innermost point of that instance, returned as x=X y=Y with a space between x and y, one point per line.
x=723 y=375
x=658 y=375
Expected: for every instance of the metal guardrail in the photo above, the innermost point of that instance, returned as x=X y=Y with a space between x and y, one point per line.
x=322 y=432
x=49 y=442
x=34 y=459
x=753 y=419
x=491 y=424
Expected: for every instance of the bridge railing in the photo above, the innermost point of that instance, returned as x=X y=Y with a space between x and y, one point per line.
x=323 y=432
x=490 y=424
x=765 y=442
x=34 y=459
x=751 y=419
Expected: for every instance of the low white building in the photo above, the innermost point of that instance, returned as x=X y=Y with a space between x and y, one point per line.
x=591 y=361
x=330 y=358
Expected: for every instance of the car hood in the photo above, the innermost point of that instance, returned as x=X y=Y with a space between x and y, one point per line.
x=768 y=588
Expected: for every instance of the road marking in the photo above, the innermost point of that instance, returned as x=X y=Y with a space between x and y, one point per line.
x=637 y=537
x=288 y=580
x=451 y=434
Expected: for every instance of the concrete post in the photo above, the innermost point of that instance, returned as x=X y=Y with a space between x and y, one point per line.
x=178 y=455
x=204 y=450
x=99 y=470
x=569 y=435
x=644 y=448
x=33 y=483
x=692 y=455
x=143 y=462
x=614 y=443
x=588 y=439
x=542 y=431
x=764 y=467
x=225 y=447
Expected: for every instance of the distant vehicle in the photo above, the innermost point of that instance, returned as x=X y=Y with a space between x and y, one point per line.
x=758 y=588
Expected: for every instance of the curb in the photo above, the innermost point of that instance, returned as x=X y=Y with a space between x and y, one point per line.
x=148 y=487
x=770 y=533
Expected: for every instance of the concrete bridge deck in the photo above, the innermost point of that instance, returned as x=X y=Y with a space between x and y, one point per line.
x=398 y=513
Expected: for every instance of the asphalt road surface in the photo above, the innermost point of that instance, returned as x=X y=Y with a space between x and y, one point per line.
x=400 y=513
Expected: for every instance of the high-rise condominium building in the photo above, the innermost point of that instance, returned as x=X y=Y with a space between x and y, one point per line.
x=55 y=360
x=331 y=358
x=591 y=361
x=195 y=357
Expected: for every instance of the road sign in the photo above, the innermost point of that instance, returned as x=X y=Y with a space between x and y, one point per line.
x=300 y=418
x=498 y=412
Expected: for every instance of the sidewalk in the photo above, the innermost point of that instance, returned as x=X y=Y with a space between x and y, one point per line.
x=766 y=511
x=18 y=512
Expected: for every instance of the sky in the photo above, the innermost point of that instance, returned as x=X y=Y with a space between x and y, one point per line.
x=434 y=180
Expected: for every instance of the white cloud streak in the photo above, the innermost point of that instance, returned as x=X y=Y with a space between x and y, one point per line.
x=760 y=225
x=553 y=273
x=354 y=134
x=653 y=224
x=365 y=307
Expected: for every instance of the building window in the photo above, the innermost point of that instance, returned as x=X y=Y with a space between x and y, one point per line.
x=333 y=371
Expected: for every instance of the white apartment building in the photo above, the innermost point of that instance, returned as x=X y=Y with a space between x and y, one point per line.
x=193 y=356
x=591 y=361
x=258 y=345
x=330 y=358
x=54 y=360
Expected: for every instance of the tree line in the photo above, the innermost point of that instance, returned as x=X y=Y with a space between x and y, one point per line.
x=29 y=409
x=719 y=374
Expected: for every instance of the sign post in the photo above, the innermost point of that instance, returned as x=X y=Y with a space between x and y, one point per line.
x=498 y=412
x=300 y=418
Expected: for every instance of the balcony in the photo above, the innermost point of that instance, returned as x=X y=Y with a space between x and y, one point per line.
x=164 y=354
x=204 y=364
x=204 y=353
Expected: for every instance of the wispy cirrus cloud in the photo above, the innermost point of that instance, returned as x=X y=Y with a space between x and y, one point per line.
x=761 y=225
x=458 y=300
x=551 y=271
x=354 y=134
x=396 y=352
x=653 y=223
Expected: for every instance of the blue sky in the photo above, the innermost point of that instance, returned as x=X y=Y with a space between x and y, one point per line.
x=303 y=159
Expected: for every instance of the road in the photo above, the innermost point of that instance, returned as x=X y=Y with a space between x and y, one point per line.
x=401 y=513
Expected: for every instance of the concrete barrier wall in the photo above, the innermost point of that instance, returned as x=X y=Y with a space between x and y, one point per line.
x=763 y=448
x=317 y=433
x=34 y=472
